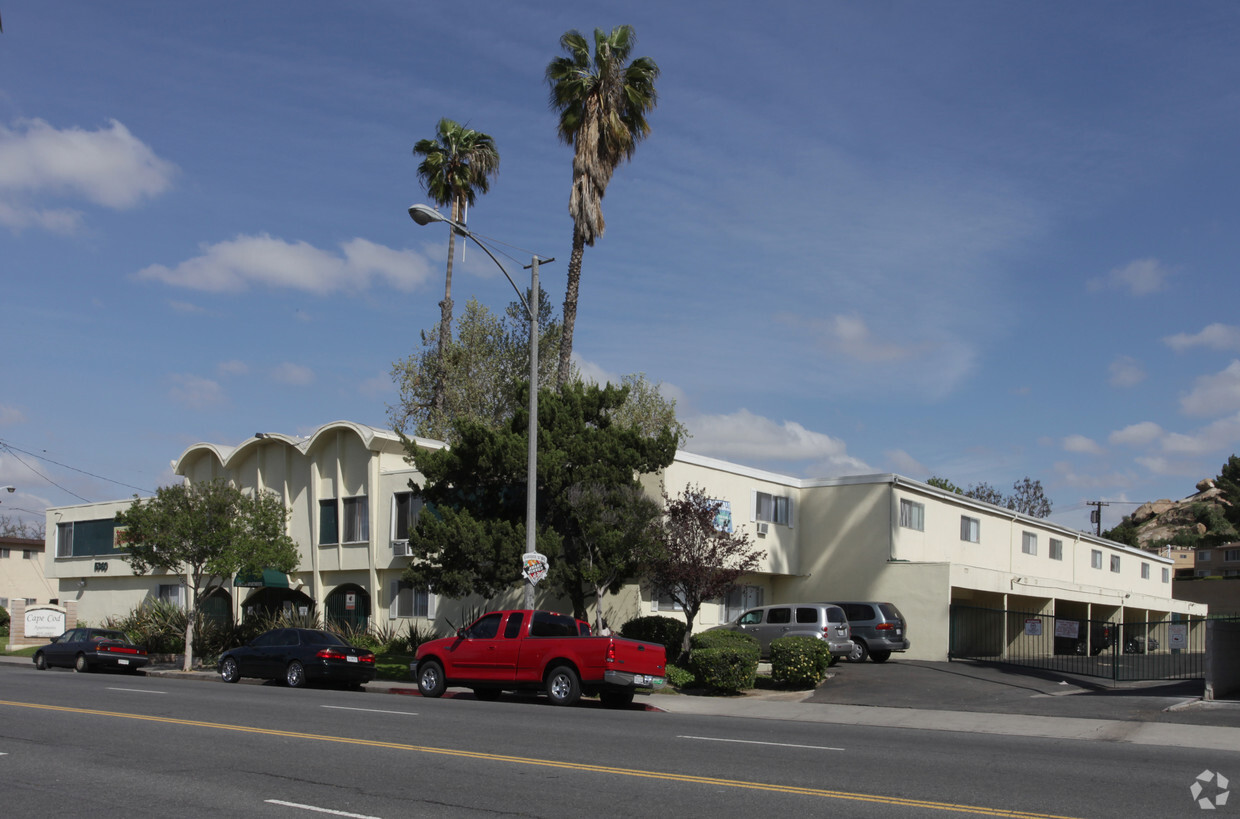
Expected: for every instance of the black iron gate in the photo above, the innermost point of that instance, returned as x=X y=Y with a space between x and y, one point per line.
x=1172 y=649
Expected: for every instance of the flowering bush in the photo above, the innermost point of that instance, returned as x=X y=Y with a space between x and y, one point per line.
x=799 y=662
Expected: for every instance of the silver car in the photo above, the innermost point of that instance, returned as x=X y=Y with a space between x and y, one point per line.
x=823 y=621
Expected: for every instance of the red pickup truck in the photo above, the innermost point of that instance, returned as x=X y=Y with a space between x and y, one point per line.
x=539 y=650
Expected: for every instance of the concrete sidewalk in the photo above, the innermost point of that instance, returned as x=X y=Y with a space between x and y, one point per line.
x=958 y=696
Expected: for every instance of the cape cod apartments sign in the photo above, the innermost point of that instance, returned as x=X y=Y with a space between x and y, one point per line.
x=45 y=621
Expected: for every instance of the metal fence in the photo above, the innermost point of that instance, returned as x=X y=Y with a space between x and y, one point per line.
x=1171 y=649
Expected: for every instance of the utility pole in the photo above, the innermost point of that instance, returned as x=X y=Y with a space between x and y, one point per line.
x=1095 y=517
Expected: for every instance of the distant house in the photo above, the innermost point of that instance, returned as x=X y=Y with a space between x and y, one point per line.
x=873 y=537
x=1198 y=572
x=22 y=572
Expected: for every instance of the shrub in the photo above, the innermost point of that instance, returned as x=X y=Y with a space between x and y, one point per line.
x=799 y=662
x=4 y=618
x=656 y=629
x=678 y=677
x=418 y=634
x=724 y=661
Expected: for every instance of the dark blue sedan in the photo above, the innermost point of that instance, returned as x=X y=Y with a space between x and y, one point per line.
x=87 y=649
x=298 y=656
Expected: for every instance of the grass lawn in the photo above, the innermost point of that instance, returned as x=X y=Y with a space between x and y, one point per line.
x=393 y=667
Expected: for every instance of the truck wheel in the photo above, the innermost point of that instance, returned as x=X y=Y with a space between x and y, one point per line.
x=563 y=686
x=880 y=656
x=431 y=682
x=613 y=698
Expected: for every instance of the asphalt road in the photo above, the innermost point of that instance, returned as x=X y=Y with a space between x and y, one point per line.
x=103 y=744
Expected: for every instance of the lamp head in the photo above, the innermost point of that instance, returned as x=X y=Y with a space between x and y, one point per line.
x=425 y=214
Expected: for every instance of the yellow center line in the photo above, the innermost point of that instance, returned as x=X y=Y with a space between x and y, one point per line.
x=551 y=763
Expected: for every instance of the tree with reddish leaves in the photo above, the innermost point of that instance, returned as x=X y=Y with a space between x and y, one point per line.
x=699 y=559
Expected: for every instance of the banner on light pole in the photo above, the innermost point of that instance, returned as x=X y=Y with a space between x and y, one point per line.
x=533 y=567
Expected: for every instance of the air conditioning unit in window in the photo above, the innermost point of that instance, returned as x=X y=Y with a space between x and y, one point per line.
x=400 y=548
x=763 y=528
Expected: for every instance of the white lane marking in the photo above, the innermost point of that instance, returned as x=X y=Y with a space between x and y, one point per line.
x=371 y=710
x=319 y=810
x=137 y=690
x=756 y=742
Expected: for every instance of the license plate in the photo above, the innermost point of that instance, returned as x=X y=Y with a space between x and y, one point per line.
x=899 y=631
x=122 y=662
x=351 y=658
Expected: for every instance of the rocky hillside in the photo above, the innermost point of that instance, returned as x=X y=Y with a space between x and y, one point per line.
x=1200 y=519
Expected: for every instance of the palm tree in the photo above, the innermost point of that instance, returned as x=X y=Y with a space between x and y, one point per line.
x=456 y=166
x=602 y=105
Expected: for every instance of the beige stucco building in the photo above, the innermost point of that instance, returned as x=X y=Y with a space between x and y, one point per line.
x=21 y=572
x=876 y=537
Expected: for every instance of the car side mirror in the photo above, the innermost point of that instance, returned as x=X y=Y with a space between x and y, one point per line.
x=461 y=633
x=56 y=639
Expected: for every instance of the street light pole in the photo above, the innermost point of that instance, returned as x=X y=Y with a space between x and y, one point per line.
x=424 y=215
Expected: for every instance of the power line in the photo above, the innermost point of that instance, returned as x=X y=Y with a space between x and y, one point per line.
x=13 y=450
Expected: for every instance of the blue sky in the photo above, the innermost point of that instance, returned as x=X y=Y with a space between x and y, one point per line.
x=970 y=239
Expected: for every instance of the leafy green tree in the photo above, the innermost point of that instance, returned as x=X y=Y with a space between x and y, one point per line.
x=602 y=104
x=986 y=493
x=481 y=371
x=698 y=560
x=1228 y=481
x=16 y=527
x=472 y=534
x=613 y=534
x=1029 y=499
x=945 y=484
x=206 y=532
x=1124 y=532
x=456 y=166
x=648 y=410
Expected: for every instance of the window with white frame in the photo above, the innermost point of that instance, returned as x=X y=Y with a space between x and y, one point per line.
x=1029 y=543
x=664 y=602
x=1095 y=559
x=408 y=600
x=1166 y=575
x=357 y=519
x=1115 y=563
x=172 y=593
x=739 y=600
x=1056 y=549
x=970 y=529
x=772 y=508
x=405 y=509
x=1145 y=571
x=912 y=515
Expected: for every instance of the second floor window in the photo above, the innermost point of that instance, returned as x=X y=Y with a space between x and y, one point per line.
x=1056 y=549
x=1095 y=558
x=357 y=519
x=773 y=508
x=970 y=529
x=912 y=515
x=1029 y=543
x=405 y=509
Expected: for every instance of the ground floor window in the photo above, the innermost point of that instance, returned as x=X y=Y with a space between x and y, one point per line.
x=408 y=600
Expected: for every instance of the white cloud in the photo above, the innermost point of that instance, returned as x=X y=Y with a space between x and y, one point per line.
x=1079 y=443
x=233 y=266
x=1140 y=278
x=108 y=167
x=1214 y=336
x=1136 y=435
x=747 y=438
x=1068 y=476
x=906 y=464
x=1217 y=438
x=293 y=374
x=196 y=392
x=377 y=386
x=1214 y=394
x=234 y=367
x=10 y=416
x=1126 y=372
x=850 y=336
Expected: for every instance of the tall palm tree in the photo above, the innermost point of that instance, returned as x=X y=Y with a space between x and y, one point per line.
x=456 y=166
x=602 y=104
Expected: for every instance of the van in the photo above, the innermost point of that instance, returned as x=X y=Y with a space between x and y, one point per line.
x=878 y=629
x=822 y=621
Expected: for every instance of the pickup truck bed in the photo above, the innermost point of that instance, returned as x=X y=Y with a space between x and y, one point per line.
x=539 y=651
